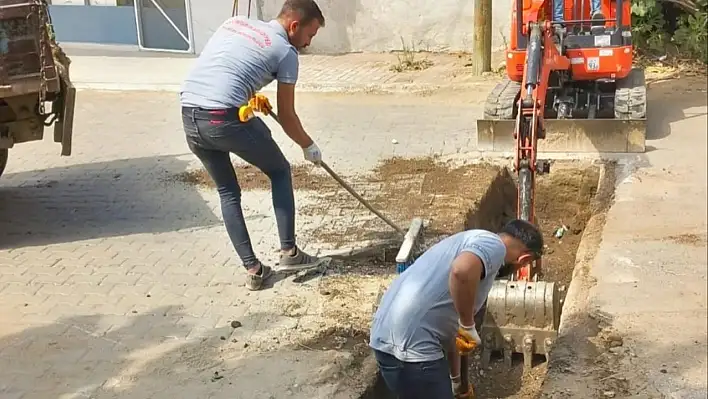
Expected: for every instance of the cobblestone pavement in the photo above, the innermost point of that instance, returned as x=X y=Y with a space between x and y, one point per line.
x=116 y=281
x=321 y=73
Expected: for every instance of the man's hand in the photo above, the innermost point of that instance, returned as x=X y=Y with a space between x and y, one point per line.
x=457 y=388
x=313 y=153
x=260 y=103
x=456 y=384
x=467 y=338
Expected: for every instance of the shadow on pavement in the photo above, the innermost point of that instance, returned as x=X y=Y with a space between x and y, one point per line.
x=146 y=356
x=97 y=200
x=667 y=102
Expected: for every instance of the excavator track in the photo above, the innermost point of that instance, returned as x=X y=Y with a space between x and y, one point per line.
x=631 y=96
x=501 y=102
x=625 y=132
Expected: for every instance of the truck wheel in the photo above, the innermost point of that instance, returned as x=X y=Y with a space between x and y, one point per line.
x=3 y=160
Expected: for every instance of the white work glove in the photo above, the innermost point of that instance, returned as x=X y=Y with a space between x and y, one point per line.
x=313 y=153
x=467 y=338
x=457 y=388
x=456 y=384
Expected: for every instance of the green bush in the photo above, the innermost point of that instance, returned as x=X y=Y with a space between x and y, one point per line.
x=651 y=34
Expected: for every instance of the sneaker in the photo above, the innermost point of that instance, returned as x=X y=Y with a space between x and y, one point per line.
x=254 y=282
x=300 y=261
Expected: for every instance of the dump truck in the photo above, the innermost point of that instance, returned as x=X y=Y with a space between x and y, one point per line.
x=35 y=88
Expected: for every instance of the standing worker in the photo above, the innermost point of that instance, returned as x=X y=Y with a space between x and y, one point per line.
x=240 y=59
x=427 y=315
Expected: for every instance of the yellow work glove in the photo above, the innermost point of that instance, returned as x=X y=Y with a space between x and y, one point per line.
x=467 y=338
x=260 y=103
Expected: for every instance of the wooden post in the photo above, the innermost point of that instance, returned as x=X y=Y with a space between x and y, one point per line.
x=482 y=47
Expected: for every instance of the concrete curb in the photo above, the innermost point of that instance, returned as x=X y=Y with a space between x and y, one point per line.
x=576 y=307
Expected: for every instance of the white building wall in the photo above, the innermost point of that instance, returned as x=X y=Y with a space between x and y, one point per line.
x=370 y=25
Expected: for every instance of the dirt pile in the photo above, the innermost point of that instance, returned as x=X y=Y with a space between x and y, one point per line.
x=403 y=189
x=251 y=178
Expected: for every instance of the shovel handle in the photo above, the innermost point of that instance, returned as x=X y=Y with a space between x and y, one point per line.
x=350 y=189
x=359 y=197
x=464 y=372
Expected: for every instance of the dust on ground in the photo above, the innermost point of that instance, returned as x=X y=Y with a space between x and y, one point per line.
x=594 y=360
x=251 y=178
x=403 y=189
x=698 y=240
x=496 y=381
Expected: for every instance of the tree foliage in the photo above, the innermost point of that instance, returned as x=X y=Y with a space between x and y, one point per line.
x=671 y=26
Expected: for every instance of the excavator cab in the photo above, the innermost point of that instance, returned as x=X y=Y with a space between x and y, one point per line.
x=598 y=49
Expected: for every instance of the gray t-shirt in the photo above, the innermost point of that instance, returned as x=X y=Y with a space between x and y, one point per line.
x=242 y=57
x=416 y=319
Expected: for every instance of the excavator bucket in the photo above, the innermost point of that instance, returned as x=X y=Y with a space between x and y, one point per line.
x=521 y=317
x=568 y=135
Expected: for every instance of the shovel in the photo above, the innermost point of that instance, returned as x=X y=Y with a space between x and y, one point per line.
x=350 y=189
x=465 y=372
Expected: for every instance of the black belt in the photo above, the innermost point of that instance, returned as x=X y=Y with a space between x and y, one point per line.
x=224 y=114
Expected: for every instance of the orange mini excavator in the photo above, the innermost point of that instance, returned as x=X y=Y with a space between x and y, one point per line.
x=572 y=85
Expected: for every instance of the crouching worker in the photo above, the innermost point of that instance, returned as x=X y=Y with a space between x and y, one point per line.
x=434 y=302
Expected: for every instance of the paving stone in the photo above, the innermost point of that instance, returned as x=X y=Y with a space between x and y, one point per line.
x=85 y=239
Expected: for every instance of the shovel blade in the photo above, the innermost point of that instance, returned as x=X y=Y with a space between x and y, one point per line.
x=568 y=135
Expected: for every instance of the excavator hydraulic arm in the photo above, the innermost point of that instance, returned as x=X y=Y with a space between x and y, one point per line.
x=523 y=313
x=542 y=57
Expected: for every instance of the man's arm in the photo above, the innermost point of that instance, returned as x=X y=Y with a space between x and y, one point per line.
x=467 y=270
x=287 y=75
x=288 y=117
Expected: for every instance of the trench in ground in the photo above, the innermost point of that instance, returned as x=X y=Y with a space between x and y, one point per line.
x=564 y=198
x=452 y=198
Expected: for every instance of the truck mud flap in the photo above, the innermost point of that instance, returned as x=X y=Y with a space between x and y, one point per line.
x=521 y=317
x=64 y=127
x=568 y=135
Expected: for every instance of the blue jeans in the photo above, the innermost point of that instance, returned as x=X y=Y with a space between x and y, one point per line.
x=425 y=380
x=211 y=136
x=558 y=9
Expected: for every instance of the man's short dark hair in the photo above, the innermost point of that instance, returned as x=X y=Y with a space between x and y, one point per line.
x=308 y=11
x=527 y=233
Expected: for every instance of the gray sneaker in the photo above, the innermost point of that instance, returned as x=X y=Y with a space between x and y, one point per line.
x=300 y=261
x=254 y=282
